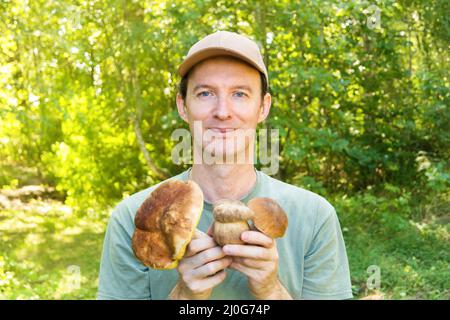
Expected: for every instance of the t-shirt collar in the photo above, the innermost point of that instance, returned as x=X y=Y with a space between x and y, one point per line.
x=251 y=194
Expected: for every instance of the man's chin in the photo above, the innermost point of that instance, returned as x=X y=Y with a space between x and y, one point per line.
x=220 y=156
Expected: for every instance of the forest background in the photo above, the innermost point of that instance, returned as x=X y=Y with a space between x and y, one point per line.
x=360 y=93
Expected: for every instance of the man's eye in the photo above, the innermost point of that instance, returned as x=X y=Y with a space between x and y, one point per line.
x=203 y=94
x=240 y=94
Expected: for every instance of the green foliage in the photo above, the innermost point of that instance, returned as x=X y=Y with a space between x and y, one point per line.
x=96 y=162
x=412 y=254
x=356 y=105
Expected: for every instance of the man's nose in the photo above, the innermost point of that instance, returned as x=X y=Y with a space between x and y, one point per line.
x=222 y=109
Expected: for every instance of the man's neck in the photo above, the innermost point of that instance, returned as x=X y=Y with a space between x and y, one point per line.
x=224 y=181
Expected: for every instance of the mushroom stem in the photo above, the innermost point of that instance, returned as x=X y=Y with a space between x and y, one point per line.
x=230 y=220
x=230 y=232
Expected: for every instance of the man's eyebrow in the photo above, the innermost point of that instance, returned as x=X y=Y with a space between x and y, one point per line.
x=200 y=86
x=244 y=87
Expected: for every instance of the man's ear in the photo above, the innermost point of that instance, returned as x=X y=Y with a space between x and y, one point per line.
x=265 y=107
x=181 y=107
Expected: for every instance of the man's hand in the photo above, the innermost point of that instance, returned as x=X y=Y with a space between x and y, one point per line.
x=201 y=269
x=258 y=260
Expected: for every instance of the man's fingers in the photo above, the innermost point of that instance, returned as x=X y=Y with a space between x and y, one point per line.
x=249 y=272
x=212 y=268
x=202 y=286
x=212 y=281
x=199 y=234
x=210 y=255
x=199 y=244
x=204 y=257
x=252 y=263
x=257 y=238
x=248 y=251
x=210 y=230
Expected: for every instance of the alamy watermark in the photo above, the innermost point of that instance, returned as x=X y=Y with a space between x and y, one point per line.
x=374 y=19
x=73 y=277
x=374 y=280
x=227 y=146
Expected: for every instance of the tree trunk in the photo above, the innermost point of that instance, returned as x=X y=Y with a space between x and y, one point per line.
x=159 y=173
x=148 y=159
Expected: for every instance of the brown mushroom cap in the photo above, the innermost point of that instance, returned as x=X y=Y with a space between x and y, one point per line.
x=269 y=217
x=231 y=210
x=166 y=222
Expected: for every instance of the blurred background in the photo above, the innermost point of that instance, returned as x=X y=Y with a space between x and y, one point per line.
x=87 y=106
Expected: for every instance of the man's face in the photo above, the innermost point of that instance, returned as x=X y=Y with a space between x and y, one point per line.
x=224 y=96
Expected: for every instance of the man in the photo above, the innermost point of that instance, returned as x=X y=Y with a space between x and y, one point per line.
x=224 y=88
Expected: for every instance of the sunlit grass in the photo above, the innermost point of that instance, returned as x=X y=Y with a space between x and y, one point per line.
x=413 y=256
x=42 y=244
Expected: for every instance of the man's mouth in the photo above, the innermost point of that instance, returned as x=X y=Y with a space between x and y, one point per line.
x=222 y=130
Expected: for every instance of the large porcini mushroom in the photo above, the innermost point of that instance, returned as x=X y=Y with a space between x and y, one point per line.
x=166 y=222
x=269 y=217
x=230 y=220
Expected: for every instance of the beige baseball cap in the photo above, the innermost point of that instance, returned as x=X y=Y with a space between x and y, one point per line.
x=224 y=43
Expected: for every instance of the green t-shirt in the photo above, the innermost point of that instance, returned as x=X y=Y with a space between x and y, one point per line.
x=312 y=257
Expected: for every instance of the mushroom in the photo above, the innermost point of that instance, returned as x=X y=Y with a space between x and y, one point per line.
x=230 y=220
x=269 y=217
x=166 y=222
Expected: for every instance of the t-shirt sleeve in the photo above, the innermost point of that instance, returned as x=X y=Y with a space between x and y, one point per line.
x=326 y=269
x=121 y=276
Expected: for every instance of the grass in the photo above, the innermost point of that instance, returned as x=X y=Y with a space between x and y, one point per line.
x=45 y=246
x=48 y=252
x=412 y=255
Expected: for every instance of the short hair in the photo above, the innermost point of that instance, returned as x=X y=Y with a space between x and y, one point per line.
x=182 y=87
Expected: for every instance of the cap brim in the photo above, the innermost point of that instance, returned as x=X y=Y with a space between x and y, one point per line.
x=189 y=62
